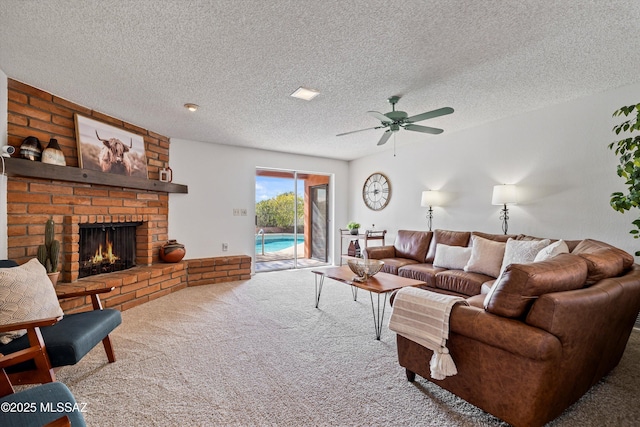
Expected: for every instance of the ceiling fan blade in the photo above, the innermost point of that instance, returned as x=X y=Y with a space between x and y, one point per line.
x=378 y=115
x=429 y=115
x=361 y=130
x=423 y=129
x=385 y=137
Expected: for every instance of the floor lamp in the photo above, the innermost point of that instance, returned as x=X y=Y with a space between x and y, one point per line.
x=504 y=195
x=430 y=198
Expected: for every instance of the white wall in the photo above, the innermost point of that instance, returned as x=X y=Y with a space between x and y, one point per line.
x=557 y=156
x=4 y=97
x=221 y=178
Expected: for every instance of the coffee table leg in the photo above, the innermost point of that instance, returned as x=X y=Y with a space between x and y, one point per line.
x=354 y=292
x=319 y=288
x=378 y=314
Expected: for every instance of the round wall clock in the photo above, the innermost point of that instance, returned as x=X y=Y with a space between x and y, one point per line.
x=376 y=192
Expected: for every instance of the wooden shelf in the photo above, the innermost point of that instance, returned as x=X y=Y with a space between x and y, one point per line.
x=27 y=168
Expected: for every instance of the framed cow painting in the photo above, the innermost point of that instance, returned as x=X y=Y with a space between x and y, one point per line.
x=110 y=149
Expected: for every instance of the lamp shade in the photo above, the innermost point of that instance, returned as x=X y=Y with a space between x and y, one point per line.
x=430 y=198
x=504 y=194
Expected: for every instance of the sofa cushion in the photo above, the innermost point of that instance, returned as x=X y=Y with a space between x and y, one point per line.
x=521 y=251
x=603 y=260
x=412 y=244
x=461 y=282
x=520 y=284
x=486 y=256
x=451 y=257
x=476 y=301
x=26 y=293
x=446 y=237
x=571 y=244
x=391 y=265
x=423 y=272
x=486 y=287
x=554 y=249
x=494 y=237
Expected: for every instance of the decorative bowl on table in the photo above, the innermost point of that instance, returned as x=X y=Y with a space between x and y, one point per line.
x=364 y=268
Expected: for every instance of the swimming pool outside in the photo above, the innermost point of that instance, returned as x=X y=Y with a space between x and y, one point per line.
x=277 y=242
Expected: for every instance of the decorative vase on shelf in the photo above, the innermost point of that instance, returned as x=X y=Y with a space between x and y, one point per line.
x=172 y=251
x=53 y=154
x=355 y=231
x=31 y=149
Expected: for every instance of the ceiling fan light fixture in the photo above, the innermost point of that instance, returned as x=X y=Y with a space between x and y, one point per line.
x=396 y=120
x=305 y=93
x=191 y=107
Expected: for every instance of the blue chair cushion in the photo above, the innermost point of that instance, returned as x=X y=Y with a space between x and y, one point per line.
x=41 y=405
x=7 y=263
x=70 y=339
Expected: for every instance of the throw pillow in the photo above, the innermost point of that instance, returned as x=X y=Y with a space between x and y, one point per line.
x=451 y=257
x=26 y=293
x=522 y=251
x=556 y=248
x=486 y=256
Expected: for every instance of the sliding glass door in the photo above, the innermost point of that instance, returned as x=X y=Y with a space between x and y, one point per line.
x=319 y=221
x=291 y=219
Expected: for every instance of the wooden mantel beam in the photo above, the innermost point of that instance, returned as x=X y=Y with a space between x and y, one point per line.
x=21 y=167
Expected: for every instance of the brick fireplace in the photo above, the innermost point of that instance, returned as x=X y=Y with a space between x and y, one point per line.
x=75 y=225
x=34 y=197
x=31 y=201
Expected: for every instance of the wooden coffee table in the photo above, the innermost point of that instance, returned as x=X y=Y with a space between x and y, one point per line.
x=380 y=284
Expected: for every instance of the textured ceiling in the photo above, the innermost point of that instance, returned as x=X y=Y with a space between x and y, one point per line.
x=240 y=60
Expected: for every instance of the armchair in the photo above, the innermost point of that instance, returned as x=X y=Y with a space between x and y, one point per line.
x=51 y=404
x=57 y=342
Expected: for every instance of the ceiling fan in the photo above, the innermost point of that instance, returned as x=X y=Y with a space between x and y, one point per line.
x=394 y=120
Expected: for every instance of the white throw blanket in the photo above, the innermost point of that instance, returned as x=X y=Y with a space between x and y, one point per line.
x=423 y=317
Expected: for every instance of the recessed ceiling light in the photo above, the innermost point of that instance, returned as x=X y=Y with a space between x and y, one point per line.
x=305 y=93
x=191 y=107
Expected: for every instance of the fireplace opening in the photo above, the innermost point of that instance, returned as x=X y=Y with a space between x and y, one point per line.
x=105 y=248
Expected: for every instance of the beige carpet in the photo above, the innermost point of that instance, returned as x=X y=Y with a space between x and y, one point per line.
x=259 y=353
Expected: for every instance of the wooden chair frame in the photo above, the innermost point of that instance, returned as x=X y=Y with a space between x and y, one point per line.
x=36 y=353
x=37 y=350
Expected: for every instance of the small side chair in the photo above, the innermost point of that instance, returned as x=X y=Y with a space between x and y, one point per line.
x=56 y=342
x=50 y=405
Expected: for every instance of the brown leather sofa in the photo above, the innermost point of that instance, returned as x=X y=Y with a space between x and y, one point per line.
x=547 y=333
x=413 y=252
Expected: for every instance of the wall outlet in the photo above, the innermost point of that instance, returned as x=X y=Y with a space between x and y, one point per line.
x=236 y=212
x=225 y=246
x=243 y=212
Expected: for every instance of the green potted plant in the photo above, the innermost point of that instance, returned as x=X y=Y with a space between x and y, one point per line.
x=353 y=227
x=628 y=152
x=49 y=253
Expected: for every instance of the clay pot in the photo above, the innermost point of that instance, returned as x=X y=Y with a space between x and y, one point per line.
x=54 y=277
x=172 y=251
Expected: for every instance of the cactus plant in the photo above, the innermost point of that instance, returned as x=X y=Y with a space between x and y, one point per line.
x=49 y=253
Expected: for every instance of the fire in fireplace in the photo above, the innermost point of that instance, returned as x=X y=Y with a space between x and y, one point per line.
x=105 y=248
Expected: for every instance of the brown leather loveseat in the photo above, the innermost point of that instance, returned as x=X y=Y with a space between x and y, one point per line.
x=545 y=333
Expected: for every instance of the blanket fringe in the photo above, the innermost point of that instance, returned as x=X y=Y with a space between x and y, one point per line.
x=423 y=317
x=442 y=364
